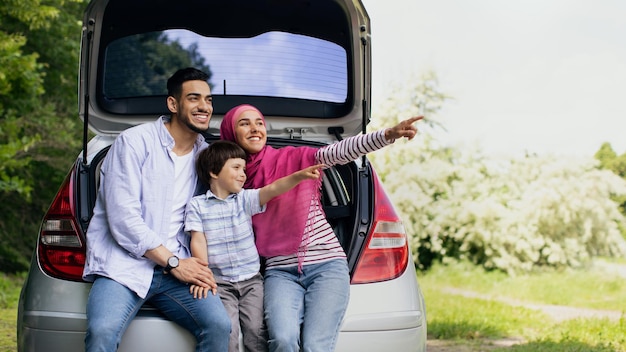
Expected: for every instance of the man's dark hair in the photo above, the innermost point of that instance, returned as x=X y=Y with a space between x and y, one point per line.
x=175 y=83
x=213 y=158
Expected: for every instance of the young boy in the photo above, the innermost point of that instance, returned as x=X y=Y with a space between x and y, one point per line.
x=220 y=223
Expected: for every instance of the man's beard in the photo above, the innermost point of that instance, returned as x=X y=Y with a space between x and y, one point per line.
x=195 y=128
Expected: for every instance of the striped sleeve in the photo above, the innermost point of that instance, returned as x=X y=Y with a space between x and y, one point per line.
x=351 y=148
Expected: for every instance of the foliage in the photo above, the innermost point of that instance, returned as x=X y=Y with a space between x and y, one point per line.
x=512 y=215
x=19 y=84
x=39 y=131
x=609 y=160
x=155 y=58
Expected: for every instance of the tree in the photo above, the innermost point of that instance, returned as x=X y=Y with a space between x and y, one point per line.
x=146 y=61
x=609 y=160
x=40 y=132
x=38 y=61
x=21 y=84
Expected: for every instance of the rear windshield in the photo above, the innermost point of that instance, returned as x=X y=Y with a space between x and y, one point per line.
x=273 y=64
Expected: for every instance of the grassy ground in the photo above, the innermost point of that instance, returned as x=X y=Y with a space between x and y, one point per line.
x=8 y=341
x=476 y=323
x=480 y=321
x=9 y=293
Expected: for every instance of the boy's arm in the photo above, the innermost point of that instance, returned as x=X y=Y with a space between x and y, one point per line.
x=199 y=250
x=198 y=246
x=286 y=183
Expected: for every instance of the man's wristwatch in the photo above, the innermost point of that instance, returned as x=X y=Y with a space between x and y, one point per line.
x=172 y=263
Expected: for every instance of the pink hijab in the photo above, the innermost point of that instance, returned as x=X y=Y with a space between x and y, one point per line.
x=288 y=217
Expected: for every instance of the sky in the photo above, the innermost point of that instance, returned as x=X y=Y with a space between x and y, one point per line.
x=545 y=77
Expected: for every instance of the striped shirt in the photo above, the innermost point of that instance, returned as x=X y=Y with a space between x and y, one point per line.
x=227 y=226
x=322 y=245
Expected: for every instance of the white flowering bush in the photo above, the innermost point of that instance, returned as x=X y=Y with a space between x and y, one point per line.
x=512 y=215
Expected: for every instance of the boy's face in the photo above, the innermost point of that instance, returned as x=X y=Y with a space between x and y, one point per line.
x=232 y=176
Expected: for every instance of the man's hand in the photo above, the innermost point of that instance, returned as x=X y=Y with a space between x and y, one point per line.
x=403 y=129
x=196 y=272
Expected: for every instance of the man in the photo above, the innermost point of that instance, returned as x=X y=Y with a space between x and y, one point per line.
x=134 y=253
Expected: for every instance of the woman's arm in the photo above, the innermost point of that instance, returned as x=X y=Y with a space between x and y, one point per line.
x=354 y=147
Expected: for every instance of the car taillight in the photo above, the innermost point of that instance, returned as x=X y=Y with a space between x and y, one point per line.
x=61 y=251
x=385 y=255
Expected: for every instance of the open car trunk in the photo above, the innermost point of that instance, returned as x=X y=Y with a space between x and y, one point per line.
x=304 y=63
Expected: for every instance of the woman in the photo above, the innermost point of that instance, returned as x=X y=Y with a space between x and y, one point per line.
x=307 y=282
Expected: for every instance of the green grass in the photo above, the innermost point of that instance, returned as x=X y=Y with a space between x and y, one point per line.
x=456 y=317
x=10 y=287
x=593 y=287
x=8 y=341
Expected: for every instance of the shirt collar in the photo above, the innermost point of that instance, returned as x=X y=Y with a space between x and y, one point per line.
x=210 y=195
x=167 y=138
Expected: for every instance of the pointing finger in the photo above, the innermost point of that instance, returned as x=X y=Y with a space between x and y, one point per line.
x=413 y=119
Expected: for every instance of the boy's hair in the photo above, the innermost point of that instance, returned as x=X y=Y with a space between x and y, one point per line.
x=213 y=158
x=175 y=83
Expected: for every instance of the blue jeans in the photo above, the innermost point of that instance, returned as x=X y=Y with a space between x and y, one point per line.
x=308 y=305
x=111 y=307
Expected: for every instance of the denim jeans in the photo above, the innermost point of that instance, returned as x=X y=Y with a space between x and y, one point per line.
x=111 y=307
x=308 y=305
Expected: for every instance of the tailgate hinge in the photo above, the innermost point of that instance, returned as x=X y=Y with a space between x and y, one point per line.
x=293 y=134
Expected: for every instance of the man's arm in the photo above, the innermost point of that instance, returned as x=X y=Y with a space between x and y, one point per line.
x=121 y=188
x=286 y=183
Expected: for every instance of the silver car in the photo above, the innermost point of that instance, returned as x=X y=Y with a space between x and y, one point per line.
x=305 y=64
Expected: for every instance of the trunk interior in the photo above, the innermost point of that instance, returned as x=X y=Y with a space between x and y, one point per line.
x=340 y=184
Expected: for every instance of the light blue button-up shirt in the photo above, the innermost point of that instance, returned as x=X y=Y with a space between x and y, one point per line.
x=134 y=206
x=227 y=226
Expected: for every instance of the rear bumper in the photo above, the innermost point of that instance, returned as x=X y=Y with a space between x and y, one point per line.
x=143 y=334
x=156 y=334
x=390 y=321
x=408 y=340
x=403 y=331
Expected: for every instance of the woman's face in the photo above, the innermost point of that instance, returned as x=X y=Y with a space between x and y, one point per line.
x=250 y=132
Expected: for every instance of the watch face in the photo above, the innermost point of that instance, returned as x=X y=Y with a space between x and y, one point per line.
x=173 y=262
